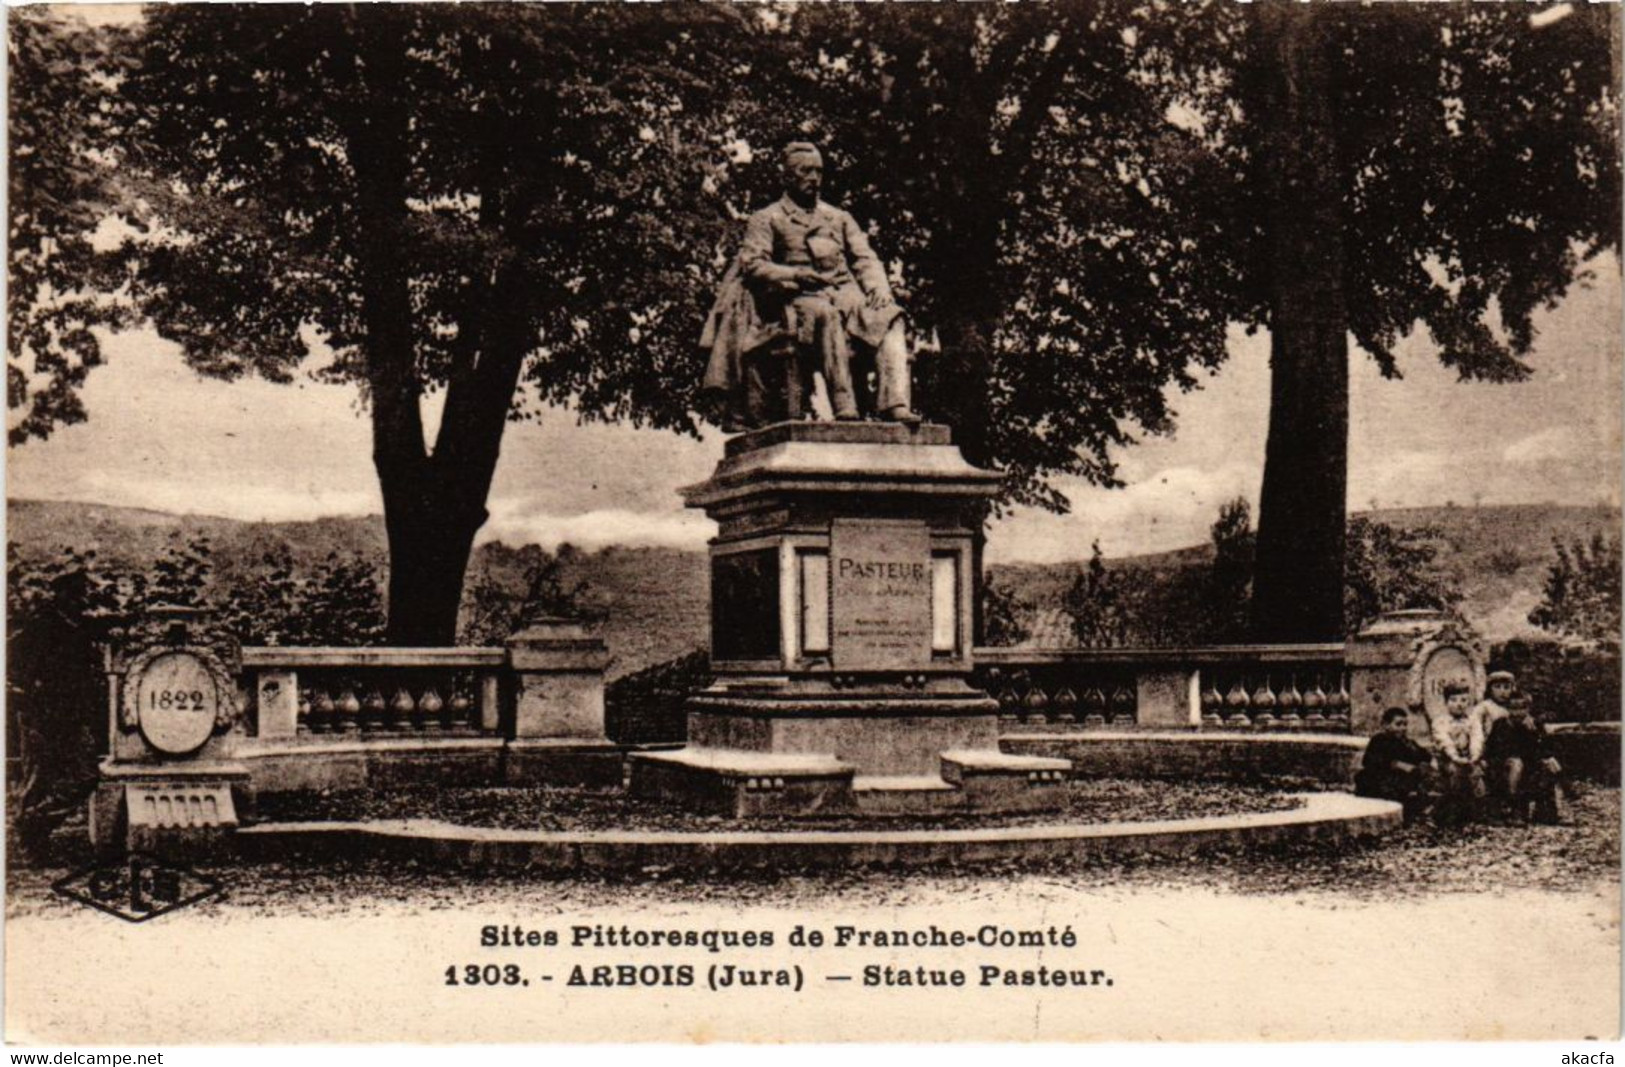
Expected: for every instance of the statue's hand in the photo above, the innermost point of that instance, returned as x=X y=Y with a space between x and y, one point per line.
x=807 y=278
x=879 y=299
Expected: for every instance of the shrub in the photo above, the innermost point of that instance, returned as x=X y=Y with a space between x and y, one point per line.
x=1003 y=616
x=1568 y=683
x=1582 y=594
x=649 y=706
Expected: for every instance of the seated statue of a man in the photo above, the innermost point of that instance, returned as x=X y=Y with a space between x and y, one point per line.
x=806 y=274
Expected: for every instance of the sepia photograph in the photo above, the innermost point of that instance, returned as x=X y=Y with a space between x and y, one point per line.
x=691 y=523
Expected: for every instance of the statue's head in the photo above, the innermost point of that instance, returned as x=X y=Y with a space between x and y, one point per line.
x=803 y=171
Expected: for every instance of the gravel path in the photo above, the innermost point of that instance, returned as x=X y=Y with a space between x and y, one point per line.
x=1408 y=863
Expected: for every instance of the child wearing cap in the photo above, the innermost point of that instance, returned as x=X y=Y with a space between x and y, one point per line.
x=1522 y=767
x=1499 y=688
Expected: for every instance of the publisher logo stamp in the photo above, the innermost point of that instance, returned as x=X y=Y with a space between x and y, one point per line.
x=139 y=888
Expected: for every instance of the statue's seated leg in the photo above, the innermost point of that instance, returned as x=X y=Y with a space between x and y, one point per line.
x=895 y=399
x=834 y=355
x=864 y=384
x=798 y=383
x=765 y=400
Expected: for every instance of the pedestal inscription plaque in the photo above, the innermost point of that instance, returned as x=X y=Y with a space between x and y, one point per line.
x=880 y=595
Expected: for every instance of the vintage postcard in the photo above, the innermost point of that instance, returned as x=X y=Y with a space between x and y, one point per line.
x=813 y=523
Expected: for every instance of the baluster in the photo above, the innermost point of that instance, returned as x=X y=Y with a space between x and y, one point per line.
x=1094 y=706
x=430 y=709
x=1066 y=705
x=1212 y=703
x=1237 y=701
x=1264 y=704
x=462 y=708
x=1314 y=706
x=373 y=711
x=302 y=713
x=323 y=716
x=1338 y=705
x=1125 y=706
x=1036 y=703
x=401 y=706
x=1290 y=701
x=1005 y=693
x=349 y=712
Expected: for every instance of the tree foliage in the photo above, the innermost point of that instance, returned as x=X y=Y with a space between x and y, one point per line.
x=534 y=585
x=1004 y=615
x=524 y=206
x=422 y=198
x=1050 y=225
x=61 y=284
x=1390 y=569
x=1227 y=589
x=1100 y=605
x=1581 y=599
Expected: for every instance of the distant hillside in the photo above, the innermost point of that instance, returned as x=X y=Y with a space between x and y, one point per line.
x=135 y=536
x=1499 y=552
x=656 y=600
x=1502 y=553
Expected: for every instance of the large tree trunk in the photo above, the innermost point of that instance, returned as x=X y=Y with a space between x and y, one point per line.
x=976 y=185
x=968 y=358
x=434 y=505
x=1298 y=586
x=428 y=559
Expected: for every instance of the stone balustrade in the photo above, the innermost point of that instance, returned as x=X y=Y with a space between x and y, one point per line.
x=545 y=683
x=298 y=692
x=531 y=710
x=1267 y=688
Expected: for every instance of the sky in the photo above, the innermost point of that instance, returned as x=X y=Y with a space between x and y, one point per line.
x=159 y=437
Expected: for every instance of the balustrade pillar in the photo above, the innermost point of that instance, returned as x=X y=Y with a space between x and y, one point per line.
x=558 y=673
x=276 y=697
x=1169 y=698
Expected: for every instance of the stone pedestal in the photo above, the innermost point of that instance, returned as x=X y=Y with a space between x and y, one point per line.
x=170 y=784
x=177 y=811
x=558 y=722
x=1404 y=660
x=841 y=591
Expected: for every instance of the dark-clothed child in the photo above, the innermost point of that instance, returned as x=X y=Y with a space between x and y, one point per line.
x=1395 y=767
x=1522 y=769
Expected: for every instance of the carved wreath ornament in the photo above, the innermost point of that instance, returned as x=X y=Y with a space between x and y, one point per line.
x=196 y=678
x=1451 y=635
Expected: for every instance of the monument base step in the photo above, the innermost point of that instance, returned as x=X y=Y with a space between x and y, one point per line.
x=904 y=795
x=900 y=783
x=741 y=783
x=562 y=761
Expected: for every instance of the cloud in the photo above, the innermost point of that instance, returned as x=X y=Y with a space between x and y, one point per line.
x=242 y=500
x=597 y=529
x=1172 y=508
x=1557 y=443
x=1415 y=478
